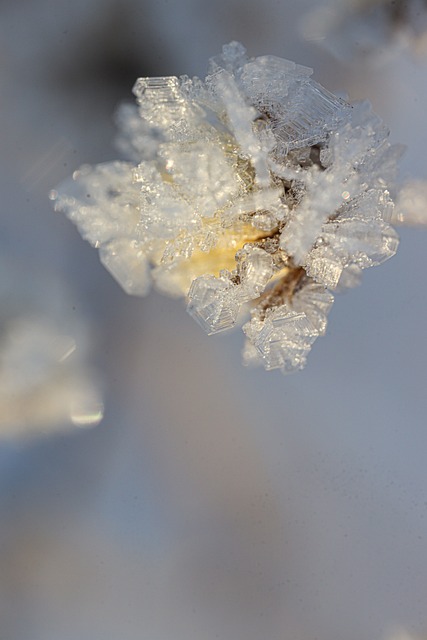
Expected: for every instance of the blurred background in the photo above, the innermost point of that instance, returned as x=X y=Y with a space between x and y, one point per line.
x=150 y=486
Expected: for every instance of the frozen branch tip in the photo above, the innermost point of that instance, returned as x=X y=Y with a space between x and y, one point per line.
x=253 y=191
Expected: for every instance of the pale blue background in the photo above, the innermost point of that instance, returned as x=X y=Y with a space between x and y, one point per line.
x=212 y=501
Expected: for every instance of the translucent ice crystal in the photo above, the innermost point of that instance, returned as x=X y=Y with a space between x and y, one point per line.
x=213 y=303
x=254 y=189
x=281 y=336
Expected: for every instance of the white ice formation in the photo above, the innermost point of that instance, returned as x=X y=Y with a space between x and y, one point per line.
x=255 y=189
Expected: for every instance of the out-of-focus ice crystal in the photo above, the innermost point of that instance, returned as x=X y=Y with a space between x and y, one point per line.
x=254 y=189
x=350 y=28
x=46 y=382
x=411 y=204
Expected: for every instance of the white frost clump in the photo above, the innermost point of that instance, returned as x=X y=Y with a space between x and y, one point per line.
x=256 y=188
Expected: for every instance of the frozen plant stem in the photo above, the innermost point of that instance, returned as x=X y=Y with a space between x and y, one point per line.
x=254 y=189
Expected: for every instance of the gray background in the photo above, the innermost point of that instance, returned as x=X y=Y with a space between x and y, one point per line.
x=212 y=501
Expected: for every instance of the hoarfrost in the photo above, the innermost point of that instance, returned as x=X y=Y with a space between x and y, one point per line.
x=256 y=188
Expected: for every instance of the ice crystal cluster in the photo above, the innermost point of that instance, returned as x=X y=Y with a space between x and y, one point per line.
x=255 y=191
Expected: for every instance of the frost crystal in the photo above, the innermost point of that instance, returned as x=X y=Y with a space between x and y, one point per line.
x=254 y=189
